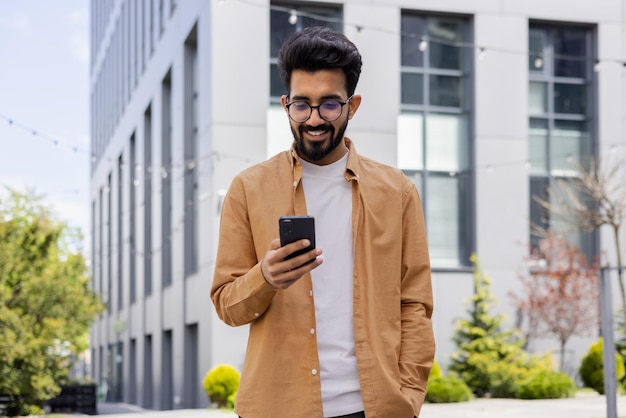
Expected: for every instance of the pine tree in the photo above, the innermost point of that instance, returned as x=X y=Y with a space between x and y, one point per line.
x=488 y=359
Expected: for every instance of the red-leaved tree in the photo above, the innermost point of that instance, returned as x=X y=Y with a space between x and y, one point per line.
x=560 y=296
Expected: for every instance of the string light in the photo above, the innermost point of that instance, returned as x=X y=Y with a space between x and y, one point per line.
x=293 y=18
x=33 y=132
x=423 y=45
x=423 y=41
x=596 y=66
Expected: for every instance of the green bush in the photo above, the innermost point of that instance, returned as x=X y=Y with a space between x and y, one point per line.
x=591 y=370
x=547 y=384
x=488 y=375
x=435 y=371
x=221 y=384
x=447 y=389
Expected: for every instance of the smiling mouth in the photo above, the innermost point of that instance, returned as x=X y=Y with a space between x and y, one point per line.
x=316 y=133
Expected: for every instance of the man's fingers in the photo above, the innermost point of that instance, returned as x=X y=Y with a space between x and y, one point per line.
x=281 y=273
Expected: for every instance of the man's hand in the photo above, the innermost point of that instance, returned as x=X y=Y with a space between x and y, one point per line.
x=281 y=273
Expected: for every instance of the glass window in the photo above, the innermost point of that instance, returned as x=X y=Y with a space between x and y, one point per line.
x=411 y=141
x=433 y=132
x=570 y=98
x=538 y=146
x=536 y=46
x=570 y=52
x=537 y=98
x=538 y=214
x=446 y=144
x=287 y=18
x=560 y=93
x=569 y=145
x=445 y=37
x=413 y=27
x=584 y=240
x=413 y=88
x=442 y=210
x=446 y=91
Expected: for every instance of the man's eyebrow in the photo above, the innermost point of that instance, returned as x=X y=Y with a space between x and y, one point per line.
x=326 y=97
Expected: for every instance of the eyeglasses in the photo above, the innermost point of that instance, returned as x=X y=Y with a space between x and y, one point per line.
x=329 y=110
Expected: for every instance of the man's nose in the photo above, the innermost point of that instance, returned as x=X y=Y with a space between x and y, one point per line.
x=316 y=117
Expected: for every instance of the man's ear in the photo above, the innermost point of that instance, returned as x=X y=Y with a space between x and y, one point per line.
x=355 y=102
x=283 y=102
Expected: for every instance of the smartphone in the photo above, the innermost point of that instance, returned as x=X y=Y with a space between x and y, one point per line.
x=294 y=228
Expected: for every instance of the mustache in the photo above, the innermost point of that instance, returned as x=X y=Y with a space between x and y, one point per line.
x=323 y=127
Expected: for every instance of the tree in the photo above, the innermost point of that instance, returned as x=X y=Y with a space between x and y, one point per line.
x=593 y=199
x=46 y=305
x=561 y=292
x=488 y=359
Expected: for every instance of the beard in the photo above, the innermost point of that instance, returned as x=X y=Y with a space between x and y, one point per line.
x=316 y=151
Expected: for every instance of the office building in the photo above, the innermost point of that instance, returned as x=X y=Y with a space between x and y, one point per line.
x=482 y=103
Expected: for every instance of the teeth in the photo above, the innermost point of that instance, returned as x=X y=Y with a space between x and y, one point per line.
x=316 y=133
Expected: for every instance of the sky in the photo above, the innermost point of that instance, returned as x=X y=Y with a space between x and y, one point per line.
x=44 y=88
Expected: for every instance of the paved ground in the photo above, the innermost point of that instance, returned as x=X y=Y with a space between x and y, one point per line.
x=132 y=411
x=586 y=406
x=590 y=406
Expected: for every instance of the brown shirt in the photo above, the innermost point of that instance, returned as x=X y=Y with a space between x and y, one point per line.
x=394 y=342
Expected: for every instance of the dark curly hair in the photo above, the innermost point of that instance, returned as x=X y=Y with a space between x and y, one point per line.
x=320 y=48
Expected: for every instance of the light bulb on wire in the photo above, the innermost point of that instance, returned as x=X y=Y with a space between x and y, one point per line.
x=293 y=18
x=596 y=66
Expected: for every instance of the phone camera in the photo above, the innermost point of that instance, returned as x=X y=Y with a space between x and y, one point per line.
x=287 y=228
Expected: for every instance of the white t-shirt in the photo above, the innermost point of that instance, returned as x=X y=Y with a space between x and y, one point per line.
x=329 y=199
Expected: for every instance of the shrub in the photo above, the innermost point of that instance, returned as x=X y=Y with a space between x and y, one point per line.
x=591 y=370
x=435 y=371
x=547 y=384
x=488 y=375
x=221 y=384
x=447 y=389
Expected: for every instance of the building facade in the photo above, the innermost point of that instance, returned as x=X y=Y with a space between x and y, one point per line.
x=483 y=103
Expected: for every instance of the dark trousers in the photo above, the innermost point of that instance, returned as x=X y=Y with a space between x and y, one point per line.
x=355 y=415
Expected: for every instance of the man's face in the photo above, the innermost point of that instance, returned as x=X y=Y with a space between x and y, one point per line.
x=317 y=140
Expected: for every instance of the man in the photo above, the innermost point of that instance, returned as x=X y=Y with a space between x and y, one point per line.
x=349 y=334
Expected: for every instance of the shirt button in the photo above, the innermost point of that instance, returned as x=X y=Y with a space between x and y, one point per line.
x=295 y=184
x=312 y=330
x=256 y=314
x=314 y=372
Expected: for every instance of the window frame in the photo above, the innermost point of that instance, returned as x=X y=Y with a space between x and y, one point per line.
x=548 y=174
x=465 y=172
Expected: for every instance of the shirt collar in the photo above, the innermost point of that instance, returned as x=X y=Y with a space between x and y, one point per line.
x=352 y=166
